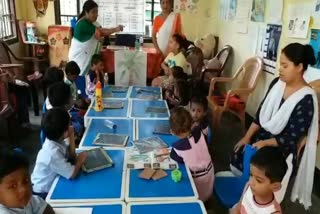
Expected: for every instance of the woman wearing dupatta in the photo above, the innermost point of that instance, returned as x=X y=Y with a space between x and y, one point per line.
x=288 y=113
x=165 y=25
x=87 y=36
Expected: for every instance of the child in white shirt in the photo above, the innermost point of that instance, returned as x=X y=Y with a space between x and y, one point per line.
x=15 y=186
x=54 y=156
x=267 y=169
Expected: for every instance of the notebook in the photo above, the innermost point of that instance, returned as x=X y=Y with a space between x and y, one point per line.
x=115 y=140
x=150 y=144
x=148 y=96
x=113 y=104
x=119 y=89
x=97 y=159
x=162 y=129
x=156 y=110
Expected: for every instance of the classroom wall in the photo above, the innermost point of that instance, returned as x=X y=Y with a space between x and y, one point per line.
x=243 y=49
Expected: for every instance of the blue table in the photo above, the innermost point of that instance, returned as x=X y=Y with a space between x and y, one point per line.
x=111 y=113
x=145 y=128
x=192 y=207
x=145 y=90
x=165 y=189
x=100 y=186
x=107 y=92
x=138 y=109
x=95 y=126
x=101 y=208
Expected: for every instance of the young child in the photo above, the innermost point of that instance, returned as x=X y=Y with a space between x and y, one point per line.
x=59 y=95
x=95 y=74
x=52 y=75
x=177 y=83
x=198 y=110
x=72 y=71
x=174 y=58
x=52 y=159
x=268 y=167
x=15 y=186
x=193 y=151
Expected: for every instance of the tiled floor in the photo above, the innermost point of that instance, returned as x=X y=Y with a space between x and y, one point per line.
x=227 y=136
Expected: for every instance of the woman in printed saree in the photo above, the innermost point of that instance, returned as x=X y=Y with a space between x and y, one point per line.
x=288 y=113
x=87 y=36
x=165 y=25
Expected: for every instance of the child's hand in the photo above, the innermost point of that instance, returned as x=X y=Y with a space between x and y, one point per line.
x=82 y=157
x=71 y=131
x=168 y=94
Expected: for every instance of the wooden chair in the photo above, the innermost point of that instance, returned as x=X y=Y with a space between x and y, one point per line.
x=223 y=57
x=29 y=72
x=235 y=100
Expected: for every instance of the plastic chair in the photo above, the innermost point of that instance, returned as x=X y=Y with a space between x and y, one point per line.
x=81 y=85
x=229 y=189
x=235 y=100
x=223 y=56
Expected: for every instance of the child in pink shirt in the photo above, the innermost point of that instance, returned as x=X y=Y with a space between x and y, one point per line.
x=193 y=151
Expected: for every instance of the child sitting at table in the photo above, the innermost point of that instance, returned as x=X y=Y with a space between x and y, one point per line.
x=95 y=74
x=174 y=58
x=52 y=75
x=72 y=71
x=59 y=95
x=198 y=111
x=15 y=186
x=54 y=156
x=193 y=151
x=178 y=83
x=268 y=167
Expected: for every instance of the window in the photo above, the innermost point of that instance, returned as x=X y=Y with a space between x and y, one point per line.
x=152 y=10
x=8 y=30
x=66 y=9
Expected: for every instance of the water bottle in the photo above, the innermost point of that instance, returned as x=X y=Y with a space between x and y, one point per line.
x=137 y=45
x=106 y=79
x=110 y=124
x=141 y=41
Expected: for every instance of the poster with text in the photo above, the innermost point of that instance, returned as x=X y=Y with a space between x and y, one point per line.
x=315 y=43
x=316 y=12
x=257 y=11
x=270 y=47
x=232 y=10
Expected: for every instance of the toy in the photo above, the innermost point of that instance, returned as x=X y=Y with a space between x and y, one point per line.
x=98 y=95
x=176 y=175
x=207 y=45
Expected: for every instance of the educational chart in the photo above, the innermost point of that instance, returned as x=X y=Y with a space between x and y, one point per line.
x=242 y=17
x=257 y=11
x=275 y=11
x=189 y=6
x=129 y=13
x=270 y=47
x=315 y=43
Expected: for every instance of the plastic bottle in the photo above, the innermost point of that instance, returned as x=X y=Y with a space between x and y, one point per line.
x=141 y=41
x=98 y=97
x=137 y=44
x=110 y=124
x=106 y=79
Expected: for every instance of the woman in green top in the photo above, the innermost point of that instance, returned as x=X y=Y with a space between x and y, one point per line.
x=87 y=36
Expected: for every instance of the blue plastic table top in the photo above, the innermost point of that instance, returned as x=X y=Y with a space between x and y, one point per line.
x=108 y=93
x=122 y=113
x=102 y=184
x=144 y=90
x=146 y=128
x=139 y=107
x=154 y=208
x=102 y=209
x=163 y=189
x=124 y=126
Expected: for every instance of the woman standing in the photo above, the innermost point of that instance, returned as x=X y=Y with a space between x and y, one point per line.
x=288 y=112
x=165 y=26
x=87 y=36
